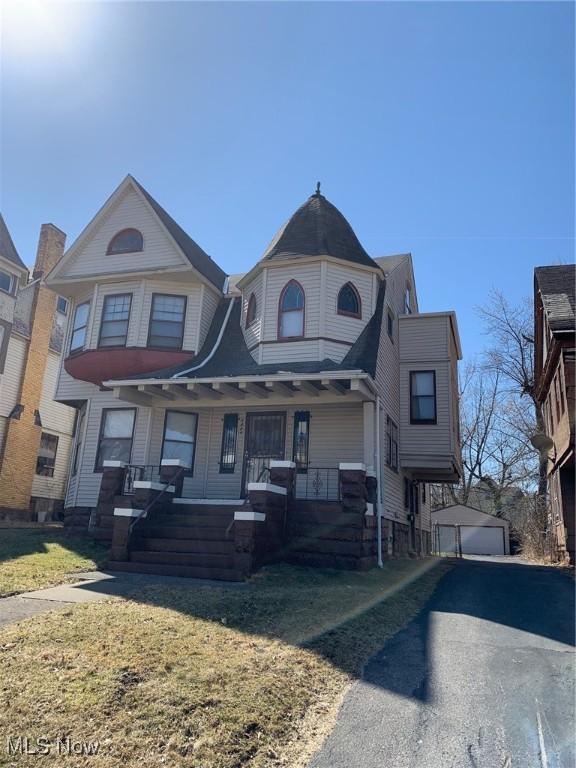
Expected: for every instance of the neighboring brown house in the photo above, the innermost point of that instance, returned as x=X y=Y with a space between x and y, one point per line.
x=554 y=372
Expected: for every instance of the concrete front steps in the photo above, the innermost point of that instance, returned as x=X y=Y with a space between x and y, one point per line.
x=186 y=538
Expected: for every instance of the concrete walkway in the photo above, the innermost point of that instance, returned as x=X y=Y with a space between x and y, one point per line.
x=94 y=586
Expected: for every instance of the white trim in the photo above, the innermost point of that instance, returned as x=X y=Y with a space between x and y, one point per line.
x=279 y=463
x=344 y=466
x=210 y=502
x=127 y=512
x=110 y=463
x=214 y=348
x=174 y=463
x=284 y=375
x=149 y=485
x=268 y=487
x=369 y=510
x=258 y=517
x=370 y=472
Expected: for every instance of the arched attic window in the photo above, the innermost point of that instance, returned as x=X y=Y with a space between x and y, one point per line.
x=251 y=310
x=291 y=311
x=349 y=302
x=126 y=241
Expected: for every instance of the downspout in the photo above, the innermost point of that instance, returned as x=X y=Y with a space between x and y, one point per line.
x=378 y=484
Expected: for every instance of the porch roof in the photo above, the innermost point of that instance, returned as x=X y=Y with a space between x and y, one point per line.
x=316 y=387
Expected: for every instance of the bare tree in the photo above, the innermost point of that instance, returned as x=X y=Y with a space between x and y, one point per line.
x=511 y=354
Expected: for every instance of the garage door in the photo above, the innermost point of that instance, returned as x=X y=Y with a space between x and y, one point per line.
x=447 y=542
x=482 y=540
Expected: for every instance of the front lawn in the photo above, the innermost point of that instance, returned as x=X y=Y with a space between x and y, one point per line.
x=31 y=558
x=202 y=676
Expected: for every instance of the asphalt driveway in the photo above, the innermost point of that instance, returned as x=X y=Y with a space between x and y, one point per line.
x=483 y=677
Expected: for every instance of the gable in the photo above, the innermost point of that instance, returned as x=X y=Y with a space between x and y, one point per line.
x=129 y=210
x=460 y=514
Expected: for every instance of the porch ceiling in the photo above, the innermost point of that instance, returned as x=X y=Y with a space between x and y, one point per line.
x=334 y=387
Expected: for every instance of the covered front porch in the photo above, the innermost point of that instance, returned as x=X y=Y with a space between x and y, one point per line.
x=228 y=432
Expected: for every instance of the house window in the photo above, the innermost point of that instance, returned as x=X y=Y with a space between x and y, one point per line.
x=251 y=311
x=180 y=437
x=81 y=416
x=301 y=440
x=167 y=321
x=79 y=326
x=62 y=305
x=349 y=302
x=423 y=397
x=116 y=436
x=228 y=448
x=7 y=282
x=408 y=300
x=391 y=443
x=390 y=324
x=115 y=318
x=126 y=241
x=5 y=328
x=46 y=455
x=291 y=311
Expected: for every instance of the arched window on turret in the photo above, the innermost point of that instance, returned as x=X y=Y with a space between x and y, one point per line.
x=126 y=241
x=251 y=310
x=349 y=302
x=291 y=311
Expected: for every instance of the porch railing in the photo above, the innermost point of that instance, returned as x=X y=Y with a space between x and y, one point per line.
x=257 y=469
x=139 y=472
x=318 y=483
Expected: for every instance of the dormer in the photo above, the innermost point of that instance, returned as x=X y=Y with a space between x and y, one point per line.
x=142 y=292
x=313 y=291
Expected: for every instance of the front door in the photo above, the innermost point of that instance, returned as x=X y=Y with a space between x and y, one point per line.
x=265 y=440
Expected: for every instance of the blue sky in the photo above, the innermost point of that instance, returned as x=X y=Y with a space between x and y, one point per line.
x=445 y=129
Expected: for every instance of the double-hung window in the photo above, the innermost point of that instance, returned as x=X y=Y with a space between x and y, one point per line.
x=291 y=311
x=79 y=326
x=167 y=321
x=79 y=434
x=116 y=436
x=46 y=459
x=180 y=437
x=115 y=319
x=301 y=440
x=423 y=397
x=391 y=443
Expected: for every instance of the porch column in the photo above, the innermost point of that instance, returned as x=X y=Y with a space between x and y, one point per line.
x=169 y=469
x=369 y=433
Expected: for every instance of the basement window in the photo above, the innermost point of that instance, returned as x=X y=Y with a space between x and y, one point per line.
x=46 y=455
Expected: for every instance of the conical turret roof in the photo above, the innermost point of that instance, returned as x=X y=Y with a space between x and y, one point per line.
x=318 y=228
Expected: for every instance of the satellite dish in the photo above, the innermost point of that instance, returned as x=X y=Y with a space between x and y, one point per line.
x=542 y=442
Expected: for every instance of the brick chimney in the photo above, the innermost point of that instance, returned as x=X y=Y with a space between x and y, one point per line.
x=20 y=450
x=50 y=249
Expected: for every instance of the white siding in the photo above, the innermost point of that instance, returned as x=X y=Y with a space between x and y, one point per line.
x=388 y=385
x=210 y=300
x=425 y=345
x=11 y=379
x=335 y=351
x=130 y=211
x=54 y=487
x=339 y=326
x=253 y=334
x=84 y=491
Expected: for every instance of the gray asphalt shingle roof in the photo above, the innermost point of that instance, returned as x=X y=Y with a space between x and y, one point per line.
x=317 y=228
x=7 y=247
x=557 y=288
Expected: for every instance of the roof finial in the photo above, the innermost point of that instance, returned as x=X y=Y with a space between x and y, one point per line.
x=317 y=187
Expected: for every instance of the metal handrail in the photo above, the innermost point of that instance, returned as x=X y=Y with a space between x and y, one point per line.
x=155 y=500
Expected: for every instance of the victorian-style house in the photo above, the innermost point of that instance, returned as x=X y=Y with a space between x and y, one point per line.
x=554 y=338
x=297 y=411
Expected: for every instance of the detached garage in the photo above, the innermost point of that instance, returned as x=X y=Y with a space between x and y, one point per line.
x=464 y=530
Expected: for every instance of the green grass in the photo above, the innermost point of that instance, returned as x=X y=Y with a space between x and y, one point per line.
x=31 y=558
x=205 y=677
